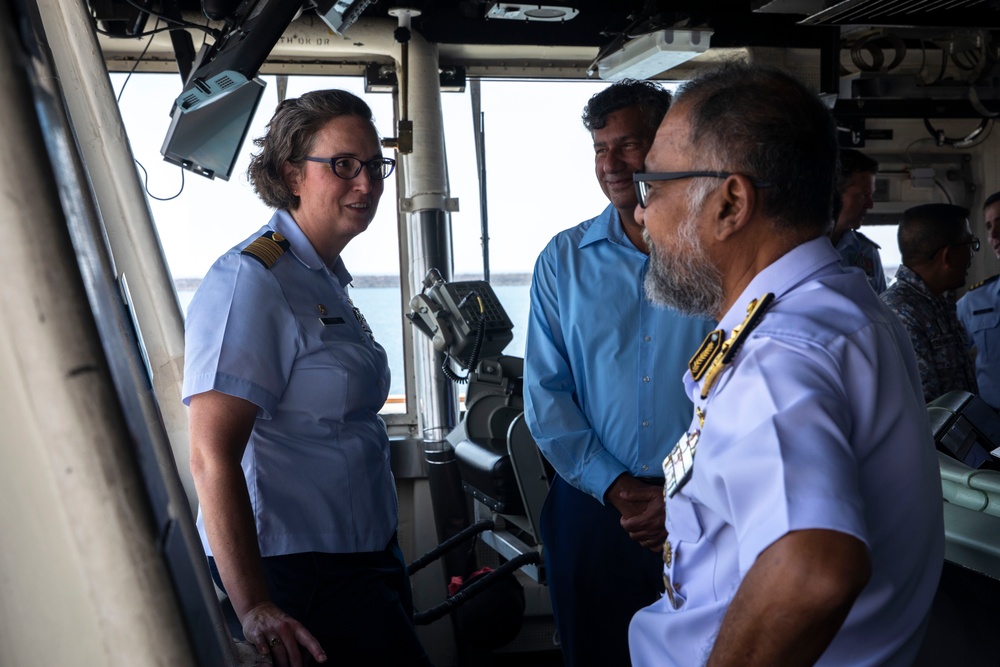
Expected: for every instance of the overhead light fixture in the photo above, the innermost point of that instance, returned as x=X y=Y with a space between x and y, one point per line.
x=653 y=53
x=530 y=12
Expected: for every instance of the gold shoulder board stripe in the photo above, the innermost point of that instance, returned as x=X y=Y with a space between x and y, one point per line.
x=754 y=312
x=983 y=282
x=267 y=248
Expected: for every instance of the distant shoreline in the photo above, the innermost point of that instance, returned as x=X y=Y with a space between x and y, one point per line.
x=191 y=284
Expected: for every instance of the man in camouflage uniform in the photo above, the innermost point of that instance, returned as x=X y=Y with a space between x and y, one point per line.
x=937 y=246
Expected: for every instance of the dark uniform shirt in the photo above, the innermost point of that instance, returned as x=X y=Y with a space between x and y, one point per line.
x=939 y=339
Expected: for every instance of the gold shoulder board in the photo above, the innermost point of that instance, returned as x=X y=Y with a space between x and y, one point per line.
x=710 y=347
x=267 y=248
x=983 y=282
x=727 y=352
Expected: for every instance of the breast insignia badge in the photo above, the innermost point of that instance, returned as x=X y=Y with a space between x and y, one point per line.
x=679 y=462
x=362 y=321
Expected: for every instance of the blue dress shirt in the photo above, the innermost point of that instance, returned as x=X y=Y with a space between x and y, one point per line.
x=818 y=423
x=289 y=340
x=979 y=312
x=603 y=364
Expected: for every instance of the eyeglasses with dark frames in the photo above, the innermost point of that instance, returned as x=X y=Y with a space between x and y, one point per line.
x=643 y=179
x=348 y=167
x=974 y=242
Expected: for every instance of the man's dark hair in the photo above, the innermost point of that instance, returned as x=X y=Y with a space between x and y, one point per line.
x=764 y=123
x=992 y=199
x=651 y=99
x=927 y=228
x=854 y=162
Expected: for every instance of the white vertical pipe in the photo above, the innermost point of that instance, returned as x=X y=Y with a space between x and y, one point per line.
x=423 y=195
x=135 y=245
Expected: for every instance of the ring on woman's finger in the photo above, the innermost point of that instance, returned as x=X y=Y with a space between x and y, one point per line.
x=275 y=641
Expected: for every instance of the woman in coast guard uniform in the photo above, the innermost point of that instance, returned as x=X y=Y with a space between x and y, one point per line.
x=284 y=379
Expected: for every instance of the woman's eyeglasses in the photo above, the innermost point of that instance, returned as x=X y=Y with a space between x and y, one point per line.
x=347 y=167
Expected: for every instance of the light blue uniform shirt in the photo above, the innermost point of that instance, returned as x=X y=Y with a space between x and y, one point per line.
x=603 y=364
x=858 y=250
x=979 y=312
x=289 y=340
x=818 y=423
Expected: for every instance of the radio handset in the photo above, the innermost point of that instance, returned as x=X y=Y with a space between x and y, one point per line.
x=464 y=320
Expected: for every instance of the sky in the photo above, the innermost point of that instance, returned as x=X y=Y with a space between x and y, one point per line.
x=540 y=174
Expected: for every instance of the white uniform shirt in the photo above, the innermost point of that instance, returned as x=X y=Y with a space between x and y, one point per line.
x=289 y=340
x=819 y=423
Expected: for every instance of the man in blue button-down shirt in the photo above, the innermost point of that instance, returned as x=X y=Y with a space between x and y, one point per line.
x=603 y=394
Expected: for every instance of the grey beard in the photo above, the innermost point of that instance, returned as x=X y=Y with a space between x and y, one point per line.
x=688 y=283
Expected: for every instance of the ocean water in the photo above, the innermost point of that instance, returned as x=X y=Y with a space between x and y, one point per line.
x=383 y=308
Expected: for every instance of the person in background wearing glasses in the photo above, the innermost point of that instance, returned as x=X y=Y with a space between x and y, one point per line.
x=937 y=247
x=284 y=378
x=803 y=504
x=602 y=394
x=855 y=187
x=979 y=313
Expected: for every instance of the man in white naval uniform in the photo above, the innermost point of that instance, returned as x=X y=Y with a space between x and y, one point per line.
x=803 y=505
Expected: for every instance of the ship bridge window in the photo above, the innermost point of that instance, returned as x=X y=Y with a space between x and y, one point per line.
x=198 y=219
x=539 y=175
x=540 y=180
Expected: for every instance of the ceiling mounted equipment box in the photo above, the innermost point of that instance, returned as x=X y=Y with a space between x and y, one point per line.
x=653 y=53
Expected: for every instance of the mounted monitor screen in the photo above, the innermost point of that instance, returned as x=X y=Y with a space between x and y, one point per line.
x=966 y=428
x=207 y=140
x=212 y=115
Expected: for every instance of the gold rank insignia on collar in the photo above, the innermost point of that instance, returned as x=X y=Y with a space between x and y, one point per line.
x=710 y=347
x=726 y=351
